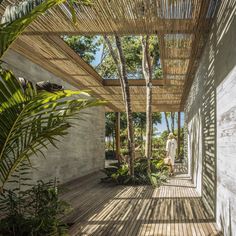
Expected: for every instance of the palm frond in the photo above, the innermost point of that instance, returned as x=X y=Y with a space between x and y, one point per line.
x=30 y=120
x=18 y=16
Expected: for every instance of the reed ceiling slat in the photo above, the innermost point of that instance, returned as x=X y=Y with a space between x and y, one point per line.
x=182 y=27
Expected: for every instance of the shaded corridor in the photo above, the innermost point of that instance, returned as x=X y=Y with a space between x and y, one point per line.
x=173 y=209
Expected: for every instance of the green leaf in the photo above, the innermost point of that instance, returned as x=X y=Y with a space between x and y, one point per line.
x=34 y=122
x=17 y=17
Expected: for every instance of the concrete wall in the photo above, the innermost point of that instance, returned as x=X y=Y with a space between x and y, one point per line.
x=82 y=151
x=195 y=150
x=213 y=95
x=226 y=153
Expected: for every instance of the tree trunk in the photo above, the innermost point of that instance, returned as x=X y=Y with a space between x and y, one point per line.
x=179 y=127
x=118 y=137
x=141 y=135
x=172 y=114
x=147 y=73
x=167 y=122
x=121 y=66
x=113 y=143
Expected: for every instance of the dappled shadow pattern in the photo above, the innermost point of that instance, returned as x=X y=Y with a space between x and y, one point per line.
x=203 y=93
x=101 y=209
x=181 y=168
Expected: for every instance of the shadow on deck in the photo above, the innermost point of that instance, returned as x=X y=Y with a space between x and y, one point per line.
x=173 y=209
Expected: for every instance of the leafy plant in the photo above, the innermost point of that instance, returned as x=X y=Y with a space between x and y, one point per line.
x=30 y=120
x=17 y=17
x=85 y=46
x=36 y=211
x=119 y=174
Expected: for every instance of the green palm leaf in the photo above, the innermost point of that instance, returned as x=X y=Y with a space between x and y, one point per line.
x=17 y=17
x=31 y=120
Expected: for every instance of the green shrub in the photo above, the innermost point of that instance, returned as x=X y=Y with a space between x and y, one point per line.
x=124 y=151
x=119 y=174
x=36 y=211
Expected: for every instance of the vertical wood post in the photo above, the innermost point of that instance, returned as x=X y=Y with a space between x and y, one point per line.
x=179 y=126
x=118 y=136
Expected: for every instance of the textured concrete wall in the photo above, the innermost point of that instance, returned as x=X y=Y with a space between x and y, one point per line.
x=213 y=93
x=82 y=151
x=195 y=150
x=226 y=153
x=201 y=109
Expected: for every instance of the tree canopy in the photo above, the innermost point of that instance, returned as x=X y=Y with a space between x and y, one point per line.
x=92 y=48
x=85 y=46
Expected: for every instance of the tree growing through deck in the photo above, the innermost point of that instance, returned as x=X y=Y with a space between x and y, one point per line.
x=137 y=58
x=120 y=62
x=150 y=58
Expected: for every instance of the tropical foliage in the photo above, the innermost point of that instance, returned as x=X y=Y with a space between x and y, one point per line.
x=17 y=17
x=91 y=47
x=124 y=58
x=36 y=211
x=159 y=144
x=119 y=174
x=119 y=59
x=170 y=125
x=139 y=121
x=30 y=120
x=86 y=47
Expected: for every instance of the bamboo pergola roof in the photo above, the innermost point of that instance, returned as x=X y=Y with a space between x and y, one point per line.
x=182 y=27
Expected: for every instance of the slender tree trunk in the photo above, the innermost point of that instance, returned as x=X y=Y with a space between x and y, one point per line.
x=121 y=66
x=141 y=134
x=167 y=122
x=113 y=144
x=179 y=127
x=147 y=73
x=172 y=114
x=118 y=137
x=124 y=80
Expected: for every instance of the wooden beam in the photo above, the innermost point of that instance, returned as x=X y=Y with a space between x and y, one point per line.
x=22 y=48
x=109 y=32
x=141 y=82
x=109 y=27
x=155 y=107
x=118 y=136
x=71 y=55
x=141 y=101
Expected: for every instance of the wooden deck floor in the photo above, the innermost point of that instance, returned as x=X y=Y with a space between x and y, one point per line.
x=173 y=209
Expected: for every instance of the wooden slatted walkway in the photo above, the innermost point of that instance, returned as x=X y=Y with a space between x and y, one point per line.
x=173 y=209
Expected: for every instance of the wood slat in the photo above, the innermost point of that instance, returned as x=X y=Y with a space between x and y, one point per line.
x=182 y=27
x=173 y=209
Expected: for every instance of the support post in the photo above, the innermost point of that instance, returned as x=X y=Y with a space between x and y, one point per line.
x=118 y=136
x=179 y=126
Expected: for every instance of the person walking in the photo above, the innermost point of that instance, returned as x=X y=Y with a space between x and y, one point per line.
x=171 y=146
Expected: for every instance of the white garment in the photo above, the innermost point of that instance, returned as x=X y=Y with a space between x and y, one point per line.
x=171 y=147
